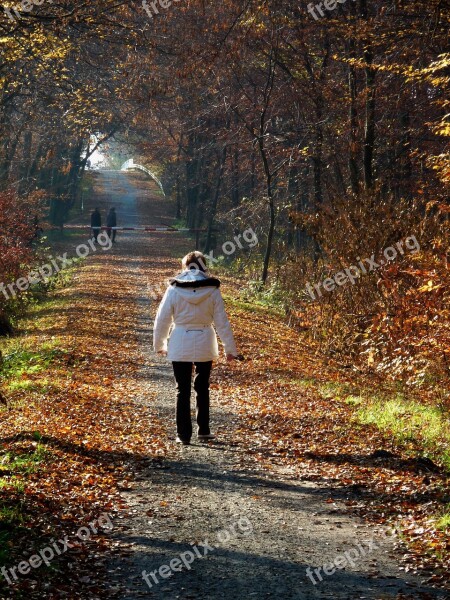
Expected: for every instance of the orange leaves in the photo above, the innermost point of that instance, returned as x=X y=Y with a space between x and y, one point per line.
x=291 y=411
x=17 y=231
x=94 y=432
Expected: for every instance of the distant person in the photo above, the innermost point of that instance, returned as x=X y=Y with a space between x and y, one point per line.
x=111 y=221
x=96 y=223
x=190 y=307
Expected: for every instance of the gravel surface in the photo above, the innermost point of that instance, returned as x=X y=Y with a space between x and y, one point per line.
x=262 y=529
x=244 y=530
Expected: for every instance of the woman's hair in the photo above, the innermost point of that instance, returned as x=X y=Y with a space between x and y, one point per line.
x=195 y=261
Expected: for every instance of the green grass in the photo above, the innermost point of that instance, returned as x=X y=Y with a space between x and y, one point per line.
x=13 y=483
x=425 y=426
x=23 y=372
x=24 y=463
x=254 y=307
x=305 y=382
x=271 y=296
x=353 y=400
x=45 y=306
x=444 y=522
x=39 y=300
x=338 y=391
x=66 y=235
x=19 y=360
x=29 y=385
x=25 y=359
x=409 y=421
x=39 y=292
x=13 y=468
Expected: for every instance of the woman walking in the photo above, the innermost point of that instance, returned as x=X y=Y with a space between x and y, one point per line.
x=184 y=332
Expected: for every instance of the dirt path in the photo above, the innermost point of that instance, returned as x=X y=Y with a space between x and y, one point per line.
x=209 y=521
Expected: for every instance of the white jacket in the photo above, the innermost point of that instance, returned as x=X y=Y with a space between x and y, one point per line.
x=185 y=318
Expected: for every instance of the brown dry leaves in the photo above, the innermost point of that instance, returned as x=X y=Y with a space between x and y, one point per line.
x=99 y=431
x=285 y=419
x=93 y=422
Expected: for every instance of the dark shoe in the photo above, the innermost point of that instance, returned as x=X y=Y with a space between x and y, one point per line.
x=205 y=438
x=181 y=441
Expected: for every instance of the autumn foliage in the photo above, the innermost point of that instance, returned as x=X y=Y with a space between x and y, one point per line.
x=18 y=229
x=94 y=413
x=392 y=319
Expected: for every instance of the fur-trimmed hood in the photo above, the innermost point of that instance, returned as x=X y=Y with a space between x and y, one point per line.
x=194 y=279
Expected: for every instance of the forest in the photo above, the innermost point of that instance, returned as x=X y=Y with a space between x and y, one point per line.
x=322 y=128
x=329 y=136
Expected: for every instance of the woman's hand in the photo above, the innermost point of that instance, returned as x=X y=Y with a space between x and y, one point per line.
x=162 y=352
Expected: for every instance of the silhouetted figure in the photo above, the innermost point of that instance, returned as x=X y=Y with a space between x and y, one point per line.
x=111 y=221
x=96 y=223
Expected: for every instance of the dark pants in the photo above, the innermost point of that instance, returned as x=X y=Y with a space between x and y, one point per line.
x=96 y=232
x=112 y=234
x=183 y=378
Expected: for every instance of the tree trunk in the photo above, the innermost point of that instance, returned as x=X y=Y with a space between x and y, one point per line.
x=178 y=195
x=317 y=156
x=270 y=237
x=369 y=133
x=178 y=183
x=369 y=137
x=192 y=191
x=192 y=183
x=203 y=192
x=235 y=195
x=405 y=159
x=73 y=178
x=353 y=117
x=5 y=325
x=213 y=208
x=25 y=163
x=272 y=214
